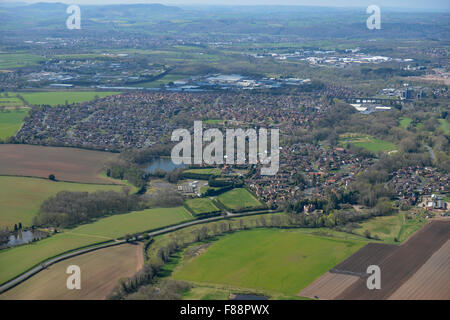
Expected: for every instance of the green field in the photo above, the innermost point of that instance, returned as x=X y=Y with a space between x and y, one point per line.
x=368 y=142
x=17 y=260
x=16 y=60
x=201 y=205
x=138 y=221
x=405 y=122
x=10 y=121
x=20 y=197
x=387 y=228
x=10 y=101
x=444 y=125
x=60 y=97
x=213 y=121
x=205 y=171
x=272 y=260
x=162 y=81
x=238 y=199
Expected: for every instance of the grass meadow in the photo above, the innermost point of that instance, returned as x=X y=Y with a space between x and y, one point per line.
x=10 y=121
x=367 y=142
x=238 y=198
x=201 y=205
x=272 y=260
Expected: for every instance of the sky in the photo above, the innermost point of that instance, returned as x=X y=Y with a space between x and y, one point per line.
x=407 y=4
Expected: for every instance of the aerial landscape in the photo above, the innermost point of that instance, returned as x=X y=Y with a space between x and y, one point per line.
x=224 y=151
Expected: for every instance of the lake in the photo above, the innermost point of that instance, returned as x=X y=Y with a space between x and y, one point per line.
x=161 y=164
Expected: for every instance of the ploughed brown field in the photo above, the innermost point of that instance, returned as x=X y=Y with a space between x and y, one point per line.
x=417 y=269
x=401 y=264
x=67 y=164
x=100 y=272
x=328 y=286
x=371 y=253
x=431 y=281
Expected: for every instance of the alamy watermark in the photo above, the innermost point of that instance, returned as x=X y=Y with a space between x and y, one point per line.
x=374 y=21
x=74 y=280
x=74 y=20
x=374 y=280
x=213 y=153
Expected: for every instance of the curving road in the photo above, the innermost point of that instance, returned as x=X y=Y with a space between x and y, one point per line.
x=12 y=283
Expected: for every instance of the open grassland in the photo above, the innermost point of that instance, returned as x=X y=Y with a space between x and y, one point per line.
x=273 y=260
x=16 y=60
x=67 y=164
x=55 y=98
x=11 y=121
x=17 y=260
x=201 y=205
x=238 y=199
x=20 y=197
x=100 y=272
x=368 y=142
x=389 y=228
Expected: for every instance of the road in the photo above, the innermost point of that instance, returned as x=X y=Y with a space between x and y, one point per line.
x=12 y=283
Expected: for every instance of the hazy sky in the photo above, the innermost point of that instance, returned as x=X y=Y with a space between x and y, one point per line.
x=428 y=4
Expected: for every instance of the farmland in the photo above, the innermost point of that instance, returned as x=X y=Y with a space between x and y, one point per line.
x=101 y=270
x=16 y=60
x=138 y=221
x=17 y=260
x=402 y=263
x=328 y=286
x=431 y=281
x=291 y=260
x=55 y=98
x=21 y=197
x=10 y=121
x=238 y=199
x=67 y=164
x=9 y=101
x=201 y=206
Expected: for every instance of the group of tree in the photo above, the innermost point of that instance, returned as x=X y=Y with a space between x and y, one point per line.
x=126 y=171
x=71 y=208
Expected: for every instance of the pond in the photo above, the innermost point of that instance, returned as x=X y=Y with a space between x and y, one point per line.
x=24 y=236
x=161 y=164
